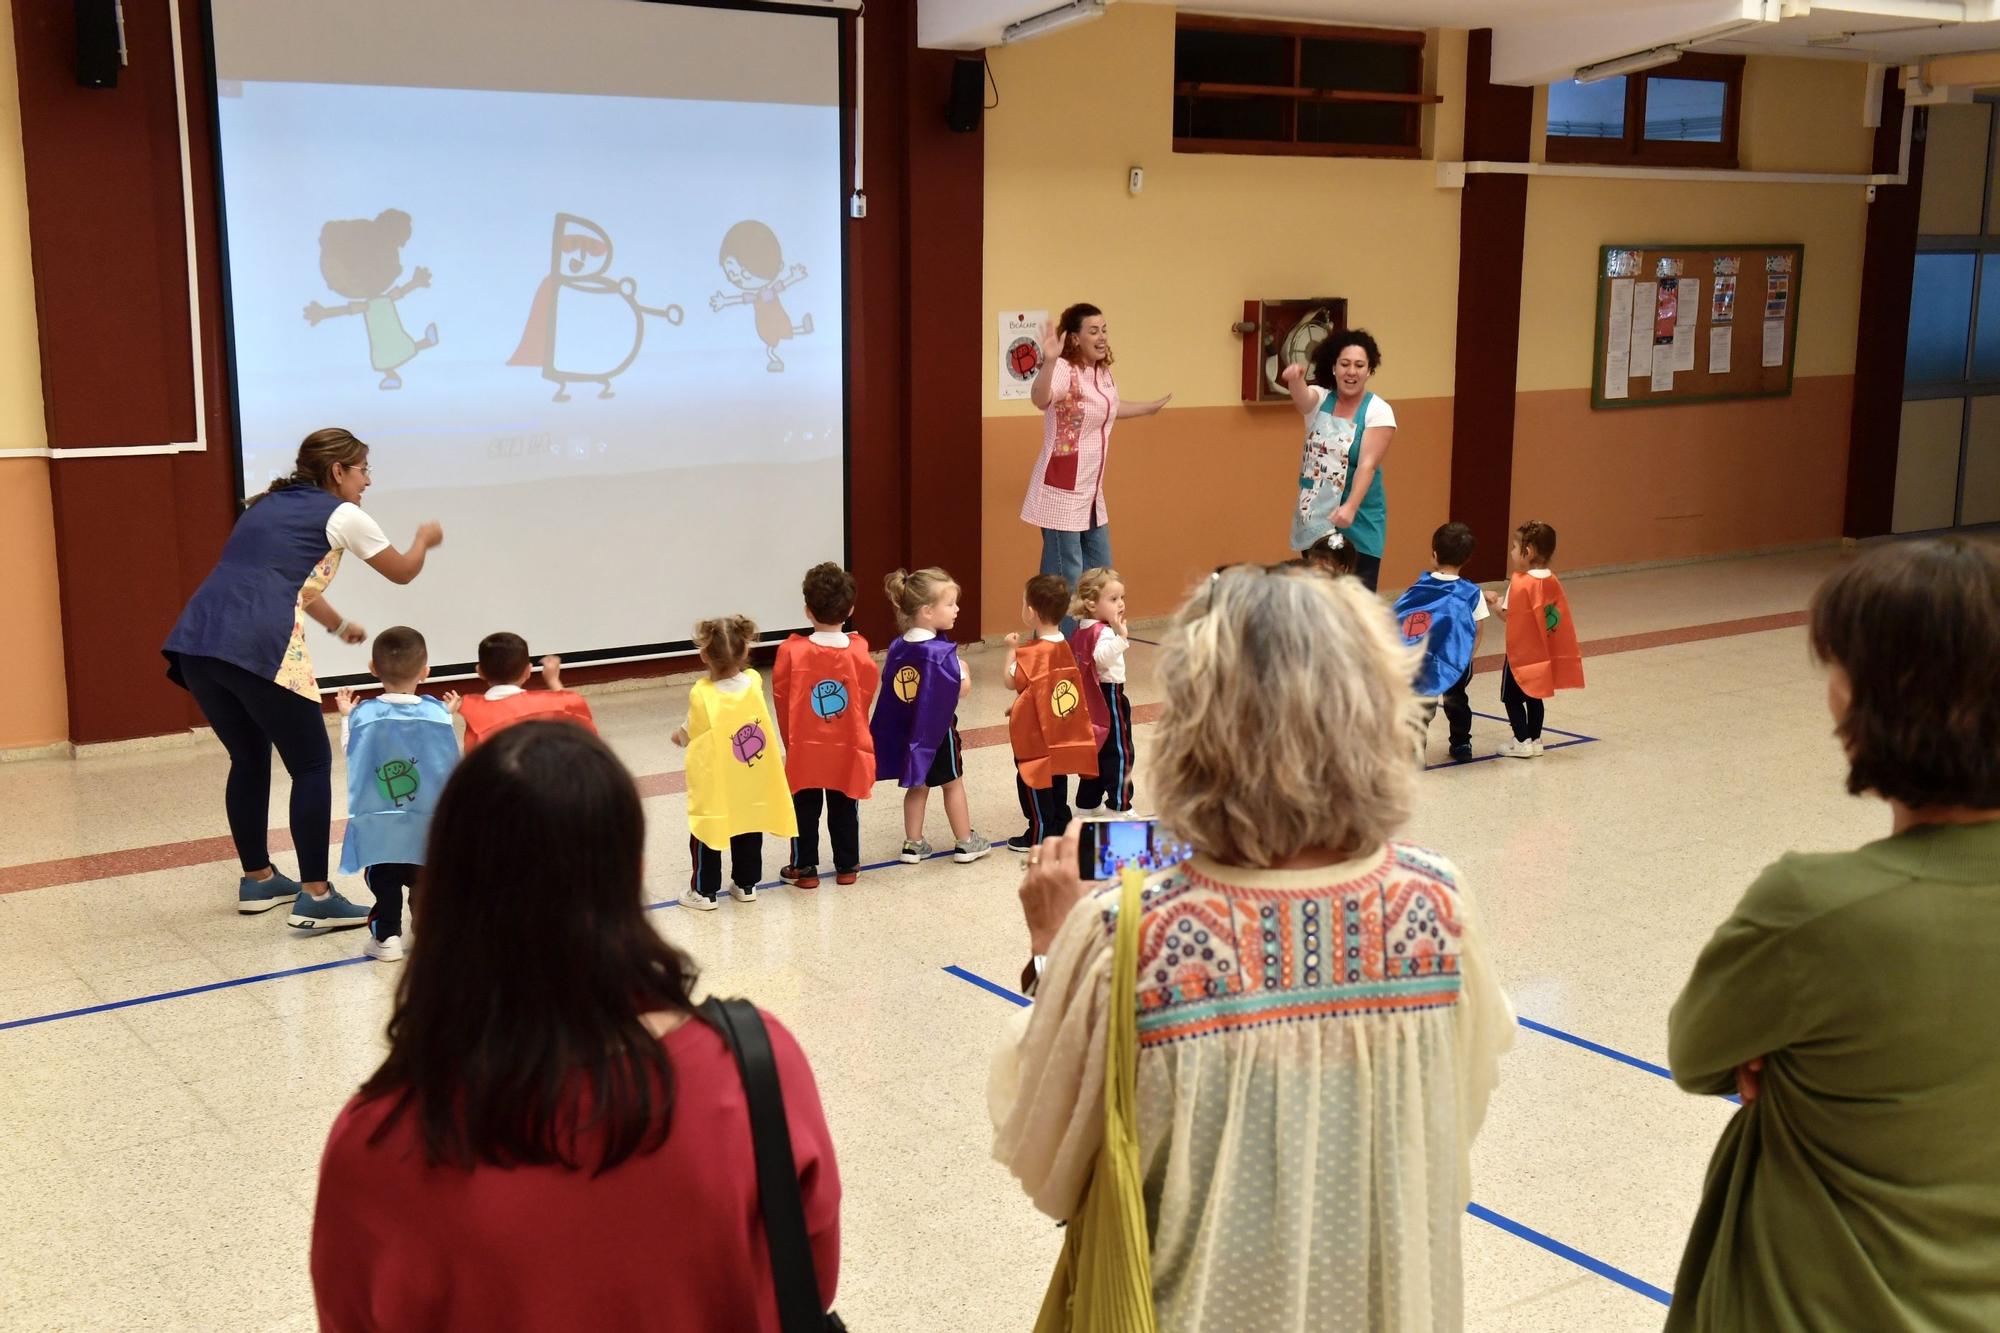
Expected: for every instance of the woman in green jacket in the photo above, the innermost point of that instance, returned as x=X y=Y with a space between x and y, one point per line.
x=1853 y=999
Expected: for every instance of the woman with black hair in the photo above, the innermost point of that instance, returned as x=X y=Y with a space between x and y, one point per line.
x=1348 y=433
x=556 y=1139
x=1850 y=1001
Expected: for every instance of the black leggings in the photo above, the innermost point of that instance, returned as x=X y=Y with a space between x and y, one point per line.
x=250 y=716
x=1524 y=711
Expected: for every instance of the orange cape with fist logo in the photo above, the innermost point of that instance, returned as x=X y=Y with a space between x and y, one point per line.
x=1049 y=723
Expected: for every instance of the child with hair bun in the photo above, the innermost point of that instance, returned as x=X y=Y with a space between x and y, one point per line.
x=736 y=785
x=915 y=726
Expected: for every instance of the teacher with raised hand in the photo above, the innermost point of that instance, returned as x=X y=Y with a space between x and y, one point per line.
x=239 y=648
x=1079 y=401
x=1348 y=433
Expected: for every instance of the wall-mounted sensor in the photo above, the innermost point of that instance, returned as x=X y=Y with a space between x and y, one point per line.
x=1137 y=180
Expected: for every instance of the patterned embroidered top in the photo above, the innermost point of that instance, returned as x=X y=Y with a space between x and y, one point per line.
x=1214 y=958
x=1316 y=1048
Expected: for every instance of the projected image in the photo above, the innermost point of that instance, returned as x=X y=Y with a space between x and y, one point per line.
x=754 y=263
x=361 y=258
x=495 y=282
x=585 y=326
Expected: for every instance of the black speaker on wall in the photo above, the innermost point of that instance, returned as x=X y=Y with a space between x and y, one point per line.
x=97 y=43
x=968 y=95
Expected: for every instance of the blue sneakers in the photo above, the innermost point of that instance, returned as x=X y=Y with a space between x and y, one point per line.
x=332 y=912
x=254 y=895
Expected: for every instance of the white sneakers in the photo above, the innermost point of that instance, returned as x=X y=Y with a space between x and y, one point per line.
x=689 y=898
x=383 y=951
x=1513 y=749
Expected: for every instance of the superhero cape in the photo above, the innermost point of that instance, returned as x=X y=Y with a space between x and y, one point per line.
x=484 y=717
x=1049 y=723
x=1083 y=646
x=398 y=758
x=1541 y=637
x=735 y=773
x=823 y=695
x=534 y=348
x=915 y=710
x=1439 y=615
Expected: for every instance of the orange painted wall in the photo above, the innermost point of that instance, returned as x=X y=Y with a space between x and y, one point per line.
x=1198 y=487
x=1643 y=485
x=34 y=706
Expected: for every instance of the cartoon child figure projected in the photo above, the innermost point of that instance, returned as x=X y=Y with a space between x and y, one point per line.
x=754 y=263
x=585 y=326
x=360 y=258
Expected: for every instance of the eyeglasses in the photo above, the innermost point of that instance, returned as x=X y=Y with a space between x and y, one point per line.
x=363 y=468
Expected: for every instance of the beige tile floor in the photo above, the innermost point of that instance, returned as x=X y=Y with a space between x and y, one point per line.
x=158 y=1161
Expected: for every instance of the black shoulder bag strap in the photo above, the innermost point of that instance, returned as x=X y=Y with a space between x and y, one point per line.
x=792 y=1271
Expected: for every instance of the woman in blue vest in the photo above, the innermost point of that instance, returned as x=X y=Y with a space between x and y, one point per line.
x=1348 y=433
x=240 y=649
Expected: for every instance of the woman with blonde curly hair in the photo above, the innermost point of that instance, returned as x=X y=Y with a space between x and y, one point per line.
x=1318 y=1028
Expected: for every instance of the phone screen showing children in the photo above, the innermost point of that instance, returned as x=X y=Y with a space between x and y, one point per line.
x=573 y=272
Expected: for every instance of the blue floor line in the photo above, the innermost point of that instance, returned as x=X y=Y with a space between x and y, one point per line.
x=1484 y=1214
x=187 y=990
x=1595 y=1048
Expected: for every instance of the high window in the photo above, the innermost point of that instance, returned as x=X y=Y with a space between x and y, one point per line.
x=1679 y=115
x=1242 y=86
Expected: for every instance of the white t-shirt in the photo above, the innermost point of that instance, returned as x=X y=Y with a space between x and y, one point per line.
x=351 y=528
x=1479 y=611
x=1533 y=574
x=1379 y=411
x=829 y=638
x=1109 y=655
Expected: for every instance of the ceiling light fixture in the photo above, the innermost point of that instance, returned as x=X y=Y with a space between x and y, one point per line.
x=1632 y=64
x=1038 y=25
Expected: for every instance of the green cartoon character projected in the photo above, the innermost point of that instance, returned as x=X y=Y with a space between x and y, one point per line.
x=754 y=263
x=397 y=781
x=361 y=258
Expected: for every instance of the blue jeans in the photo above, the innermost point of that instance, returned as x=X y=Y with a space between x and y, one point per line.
x=1070 y=553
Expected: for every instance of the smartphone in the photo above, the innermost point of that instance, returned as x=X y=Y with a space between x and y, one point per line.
x=1107 y=846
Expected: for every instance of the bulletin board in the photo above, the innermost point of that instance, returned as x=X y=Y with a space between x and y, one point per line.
x=1695 y=323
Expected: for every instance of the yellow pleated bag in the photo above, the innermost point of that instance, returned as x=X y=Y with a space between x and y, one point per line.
x=1103 y=1282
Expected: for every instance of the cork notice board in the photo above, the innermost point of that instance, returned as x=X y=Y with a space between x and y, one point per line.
x=1695 y=323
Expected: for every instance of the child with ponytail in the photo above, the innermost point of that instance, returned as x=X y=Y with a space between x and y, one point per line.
x=736 y=785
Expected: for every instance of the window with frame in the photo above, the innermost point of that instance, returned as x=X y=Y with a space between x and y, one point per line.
x=1248 y=86
x=1681 y=115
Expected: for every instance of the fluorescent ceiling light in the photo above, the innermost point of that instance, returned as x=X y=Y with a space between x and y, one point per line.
x=1077 y=11
x=1632 y=64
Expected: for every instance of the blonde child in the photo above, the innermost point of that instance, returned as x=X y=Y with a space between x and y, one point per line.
x=505 y=667
x=822 y=687
x=1099 y=645
x=400 y=751
x=1048 y=723
x=736 y=784
x=1542 y=653
x=915 y=727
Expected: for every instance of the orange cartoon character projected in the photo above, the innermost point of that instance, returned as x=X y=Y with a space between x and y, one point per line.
x=754 y=263
x=585 y=326
x=361 y=258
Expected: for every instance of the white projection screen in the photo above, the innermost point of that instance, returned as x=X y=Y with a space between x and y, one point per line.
x=573 y=269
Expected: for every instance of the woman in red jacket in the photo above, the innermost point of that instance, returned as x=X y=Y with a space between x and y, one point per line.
x=556 y=1139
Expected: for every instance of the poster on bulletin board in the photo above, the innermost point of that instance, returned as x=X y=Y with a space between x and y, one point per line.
x=1020 y=351
x=1667 y=316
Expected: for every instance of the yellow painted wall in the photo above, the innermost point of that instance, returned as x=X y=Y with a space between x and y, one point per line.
x=33 y=706
x=1172 y=267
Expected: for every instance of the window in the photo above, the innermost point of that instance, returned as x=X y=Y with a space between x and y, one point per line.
x=1242 y=86
x=1679 y=115
x=1940 y=318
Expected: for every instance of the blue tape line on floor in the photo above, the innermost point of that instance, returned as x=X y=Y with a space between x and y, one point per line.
x=186 y=990
x=1571 y=1253
x=1484 y=1214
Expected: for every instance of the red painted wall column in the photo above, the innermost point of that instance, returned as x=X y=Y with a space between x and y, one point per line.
x=1888 y=268
x=1492 y=222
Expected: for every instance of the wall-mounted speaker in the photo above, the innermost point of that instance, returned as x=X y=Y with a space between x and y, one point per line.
x=97 y=43
x=968 y=95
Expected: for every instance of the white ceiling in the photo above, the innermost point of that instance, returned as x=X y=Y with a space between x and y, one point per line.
x=1540 y=41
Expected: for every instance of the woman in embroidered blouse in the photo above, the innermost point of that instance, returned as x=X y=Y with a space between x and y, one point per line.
x=1079 y=401
x=239 y=648
x=1319 y=1027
